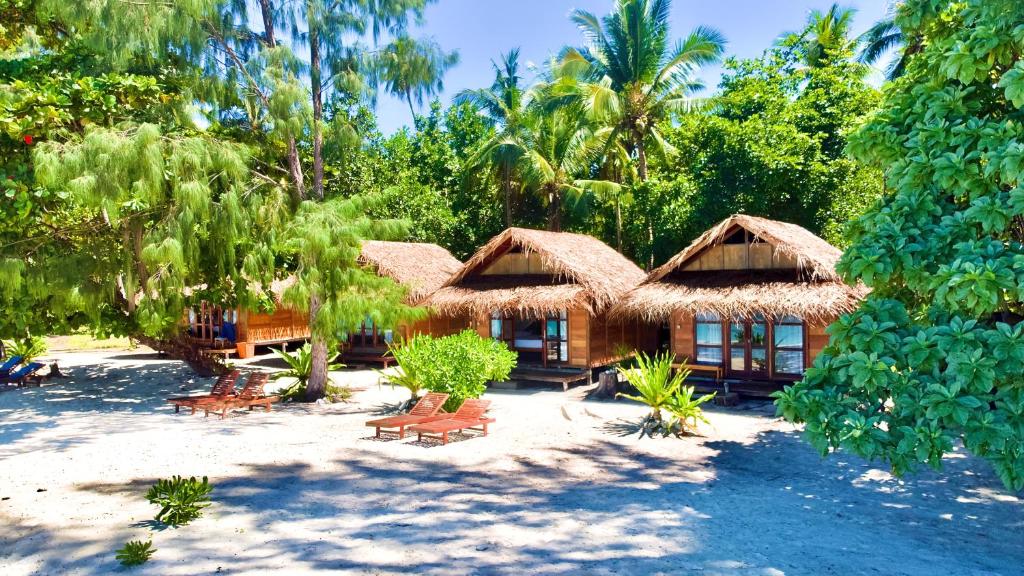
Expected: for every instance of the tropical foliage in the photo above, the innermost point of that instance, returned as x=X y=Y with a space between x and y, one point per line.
x=181 y=500
x=934 y=356
x=300 y=367
x=135 y=552
x=28 y=348
x=659 y=386
x=460 y=365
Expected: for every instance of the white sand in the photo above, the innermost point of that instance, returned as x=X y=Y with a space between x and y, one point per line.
x=554 y=489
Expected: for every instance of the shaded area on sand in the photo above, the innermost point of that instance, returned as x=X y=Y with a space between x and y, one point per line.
x=302 y=492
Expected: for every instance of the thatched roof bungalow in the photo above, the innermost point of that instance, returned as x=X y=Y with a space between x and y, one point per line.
x=420 y=267
x=546 y=294
x=748 y=299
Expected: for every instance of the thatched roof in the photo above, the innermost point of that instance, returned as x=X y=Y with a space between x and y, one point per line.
x=813 y=291
x=585 y=273
x=815 y=257
x=421 y=267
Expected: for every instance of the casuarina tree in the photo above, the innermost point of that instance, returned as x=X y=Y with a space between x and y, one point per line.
x=935 y=355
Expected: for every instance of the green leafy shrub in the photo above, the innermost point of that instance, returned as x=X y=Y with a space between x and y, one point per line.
x=28 y=348
x=405 y=375
x=181 y=500
x=459 y=365
x=663 y=391
x=300 y=366
x=135 y=552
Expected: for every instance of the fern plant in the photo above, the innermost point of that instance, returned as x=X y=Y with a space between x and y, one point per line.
x=28 y=348
x=663 y=391
x=300 y=365
x=181 y=500
x=135 y=552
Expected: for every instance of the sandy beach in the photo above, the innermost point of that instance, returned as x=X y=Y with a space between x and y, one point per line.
x=561 y=486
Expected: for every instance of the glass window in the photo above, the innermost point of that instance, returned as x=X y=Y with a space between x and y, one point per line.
x=496 y=326
x=708 y=337
x=709 y=355
x=556 y=334
x=709 y=334
x=788 y=339
x=738 y=359
x=789 y=336
x=789 y=361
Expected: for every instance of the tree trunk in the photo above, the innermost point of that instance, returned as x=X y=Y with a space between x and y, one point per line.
x=316 y=387
x=554 y=210
x=607 y=384
x=618 y=224
x=641 y=160
x=412 y=110
x=294 y=162
x=506 y=188
x=318 y=112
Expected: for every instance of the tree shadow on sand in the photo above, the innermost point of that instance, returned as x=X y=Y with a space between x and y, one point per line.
x=770 y=505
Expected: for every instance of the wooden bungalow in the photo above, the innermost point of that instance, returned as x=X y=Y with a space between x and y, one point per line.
x=422 y=268
x=222 y=329
x=547 y=295
x=747 y=302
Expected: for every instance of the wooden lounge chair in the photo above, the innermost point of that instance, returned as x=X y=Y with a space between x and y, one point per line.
x=467 y=417
x=251 y=395
x=5 y=369
x=22 y=375
x=424 y=411
x=222 y=388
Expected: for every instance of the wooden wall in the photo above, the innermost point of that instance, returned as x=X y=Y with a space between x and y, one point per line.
x=516 y=263
x=681 y=329
x=816 y=340
x=753 y=256
x=580 y=338
x=282 y=325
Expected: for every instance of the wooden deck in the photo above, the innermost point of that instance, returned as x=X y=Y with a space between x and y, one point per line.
x=563 y=376
x=754 y=389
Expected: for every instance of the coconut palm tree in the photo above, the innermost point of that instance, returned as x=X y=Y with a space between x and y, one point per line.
x=559 y=146
x=825 y=32
x=414 y=69
x=884 y=37
x=631 y=78
x=635 y=77
x=505 y=104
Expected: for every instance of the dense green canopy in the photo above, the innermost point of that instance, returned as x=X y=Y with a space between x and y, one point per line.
x=936 y=354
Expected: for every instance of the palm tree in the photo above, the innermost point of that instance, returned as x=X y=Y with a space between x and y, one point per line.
x=884 y=37
x=825 y=32
x=505 y=104
x=632 y=78
x=559 y=146
x=414 y=70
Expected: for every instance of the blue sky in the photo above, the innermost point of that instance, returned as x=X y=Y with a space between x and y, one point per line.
x=482 y=29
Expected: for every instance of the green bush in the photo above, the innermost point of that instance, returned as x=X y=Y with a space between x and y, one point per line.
x=300 y=365
x=135 y=552
x=661 y=390
x=459 y=365
x=181 y=500
x=28 y=348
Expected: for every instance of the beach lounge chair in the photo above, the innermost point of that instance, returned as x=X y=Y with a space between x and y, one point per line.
x=251 y=395
x=22 y=375
x=9 y=365
x=424 y=411
x=222 y=388
x=468 y=417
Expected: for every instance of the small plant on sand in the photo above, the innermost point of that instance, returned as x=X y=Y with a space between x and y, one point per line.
x=663 y=391
x=300 y=365
x=181 y=500
x=135 y=552
x=28 y=348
